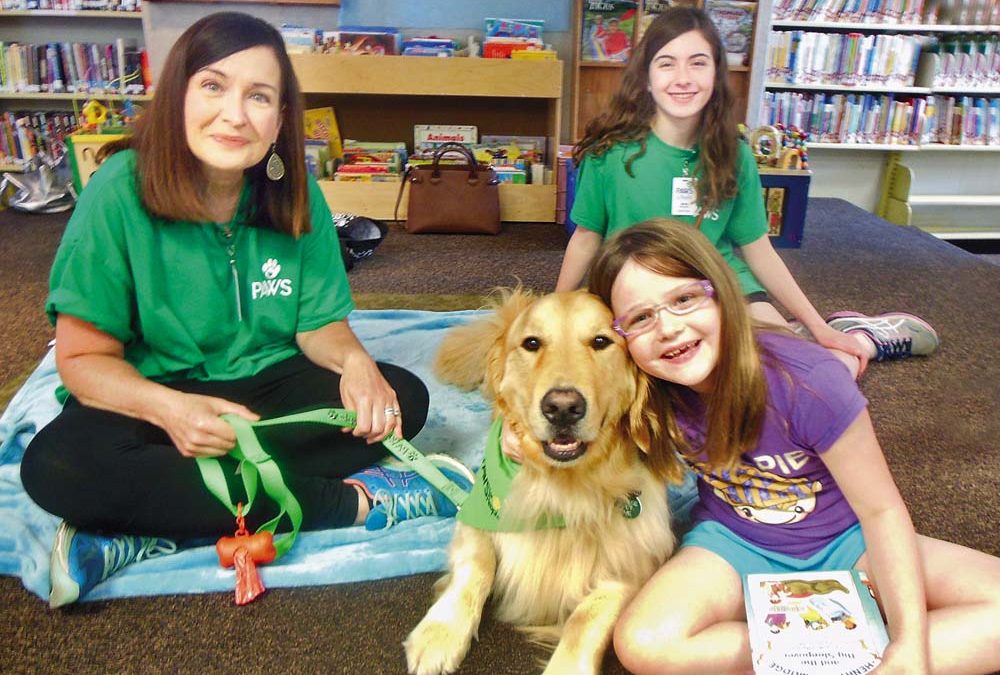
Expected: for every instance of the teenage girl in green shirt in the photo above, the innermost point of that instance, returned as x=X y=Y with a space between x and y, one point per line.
x=667 y=147
x=200 y=275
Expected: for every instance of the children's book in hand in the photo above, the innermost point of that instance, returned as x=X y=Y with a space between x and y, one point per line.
x=814 y=623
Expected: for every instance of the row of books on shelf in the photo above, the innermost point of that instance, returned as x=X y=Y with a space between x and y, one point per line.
x=851 y=59
x=972 y=63
x=611 y=27
x=67 y=67
x=516 y=159
x=24 y=134
x=908 y=12
x=73 y=5
x=502 y=38
x=886 y=119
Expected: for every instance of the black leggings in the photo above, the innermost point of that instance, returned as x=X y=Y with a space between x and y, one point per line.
x=107 y=472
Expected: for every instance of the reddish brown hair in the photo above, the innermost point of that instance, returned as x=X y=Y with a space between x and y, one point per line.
x=171 y=178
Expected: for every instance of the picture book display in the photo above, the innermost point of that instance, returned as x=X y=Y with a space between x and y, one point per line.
x=653 y=8
x=608 y=29
x=734 y=20
x=814 y=623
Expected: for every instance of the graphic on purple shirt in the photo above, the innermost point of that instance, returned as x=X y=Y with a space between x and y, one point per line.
x=781 y=496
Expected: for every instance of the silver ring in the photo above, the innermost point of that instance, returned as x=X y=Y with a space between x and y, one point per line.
x=389 y=410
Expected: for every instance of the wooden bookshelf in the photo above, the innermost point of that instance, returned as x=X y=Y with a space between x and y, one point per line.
x=382 y=98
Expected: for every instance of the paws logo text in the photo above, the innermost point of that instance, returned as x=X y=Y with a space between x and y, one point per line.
x=271 y=285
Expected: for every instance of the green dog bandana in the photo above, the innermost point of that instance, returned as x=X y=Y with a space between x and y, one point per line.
x=484 y=507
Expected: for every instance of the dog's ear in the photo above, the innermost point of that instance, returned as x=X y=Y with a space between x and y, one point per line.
x=643 y=424
x=646 y=428
x=471 y=355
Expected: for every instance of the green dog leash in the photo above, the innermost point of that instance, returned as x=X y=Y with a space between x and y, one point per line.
x=257 y=466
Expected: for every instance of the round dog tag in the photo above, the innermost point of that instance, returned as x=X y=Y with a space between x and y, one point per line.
x=632 y=507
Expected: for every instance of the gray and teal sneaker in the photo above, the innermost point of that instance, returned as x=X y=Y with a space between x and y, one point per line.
x=81 y=560
x=896 y=335
x=398 y=493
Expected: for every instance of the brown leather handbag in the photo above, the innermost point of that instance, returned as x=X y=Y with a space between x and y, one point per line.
x=452 y=198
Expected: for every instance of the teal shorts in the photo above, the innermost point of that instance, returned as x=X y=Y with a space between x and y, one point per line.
x=842 y=553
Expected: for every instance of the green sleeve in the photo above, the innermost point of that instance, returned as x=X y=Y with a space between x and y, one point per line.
x=326 y=294
x=589 y=208
x=91 y=277
x=749 y=221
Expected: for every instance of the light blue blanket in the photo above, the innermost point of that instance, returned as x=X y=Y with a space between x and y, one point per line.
x=457 y=425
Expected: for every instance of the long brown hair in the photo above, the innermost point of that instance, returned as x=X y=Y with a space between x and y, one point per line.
x=171 y=179
x=737 y=402
x=632 y=109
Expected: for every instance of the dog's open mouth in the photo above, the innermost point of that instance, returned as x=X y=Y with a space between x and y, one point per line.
x=564 y=448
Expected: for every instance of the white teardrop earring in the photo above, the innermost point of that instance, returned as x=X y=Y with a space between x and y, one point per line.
x=275 y=169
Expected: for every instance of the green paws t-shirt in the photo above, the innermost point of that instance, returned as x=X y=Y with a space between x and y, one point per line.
x=168 y=292
x=608 y=199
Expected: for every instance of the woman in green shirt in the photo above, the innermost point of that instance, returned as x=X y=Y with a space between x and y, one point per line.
x=199 y=276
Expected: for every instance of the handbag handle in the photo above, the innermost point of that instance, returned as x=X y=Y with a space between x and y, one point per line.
x=459 y=147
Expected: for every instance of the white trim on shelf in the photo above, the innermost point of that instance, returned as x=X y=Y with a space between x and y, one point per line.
x=970 y=91
x=74 y=13
x=898 y=147
x=861 y=146
x=843 y=87
x=954 y=200
x=886 y=27
x=80 y=96
x=953 y=235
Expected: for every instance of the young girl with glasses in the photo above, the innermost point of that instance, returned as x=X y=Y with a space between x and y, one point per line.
x=790 y=475
x=668 y=147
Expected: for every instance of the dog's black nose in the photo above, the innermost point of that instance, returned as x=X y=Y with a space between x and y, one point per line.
x=564 y=407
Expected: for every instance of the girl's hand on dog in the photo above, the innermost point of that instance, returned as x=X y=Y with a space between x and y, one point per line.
x=194 y=425
x=364 y=390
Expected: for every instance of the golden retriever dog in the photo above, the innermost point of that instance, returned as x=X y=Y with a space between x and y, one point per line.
x=563 y=382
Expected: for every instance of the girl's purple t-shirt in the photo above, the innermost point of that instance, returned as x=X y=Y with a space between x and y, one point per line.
x=781 y=496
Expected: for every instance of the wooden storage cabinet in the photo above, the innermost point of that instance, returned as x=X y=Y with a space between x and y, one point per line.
x=381 y=98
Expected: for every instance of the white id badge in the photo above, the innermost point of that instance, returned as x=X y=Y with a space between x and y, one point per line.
x=683 y=201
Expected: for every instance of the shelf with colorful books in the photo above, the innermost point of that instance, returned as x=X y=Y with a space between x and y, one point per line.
x=382 y=98
x=75 y=96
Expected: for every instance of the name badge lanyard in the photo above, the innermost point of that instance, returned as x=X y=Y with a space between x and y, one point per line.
x=683 y=195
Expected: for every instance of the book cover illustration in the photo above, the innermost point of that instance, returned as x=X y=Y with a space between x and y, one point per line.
x=734 y=20
x=814 y=623
x=653 y=8
x=321 y=124
x=608 y=27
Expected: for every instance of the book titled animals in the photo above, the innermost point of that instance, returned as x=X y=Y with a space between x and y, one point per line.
x=814 y=623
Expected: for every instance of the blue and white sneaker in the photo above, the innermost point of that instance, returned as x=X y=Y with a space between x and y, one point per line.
x=81 y=560
x=897 y=335
x=398 y=493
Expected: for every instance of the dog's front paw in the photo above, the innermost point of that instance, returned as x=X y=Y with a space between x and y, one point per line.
x=436 y=647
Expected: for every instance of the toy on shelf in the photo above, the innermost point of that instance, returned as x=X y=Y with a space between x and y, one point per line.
x=778 y=146
x=94 y=113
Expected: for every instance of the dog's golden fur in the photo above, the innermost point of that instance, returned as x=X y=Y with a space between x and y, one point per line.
x=565 y=585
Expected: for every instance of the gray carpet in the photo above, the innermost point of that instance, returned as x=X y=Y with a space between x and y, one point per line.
x=936 y=418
